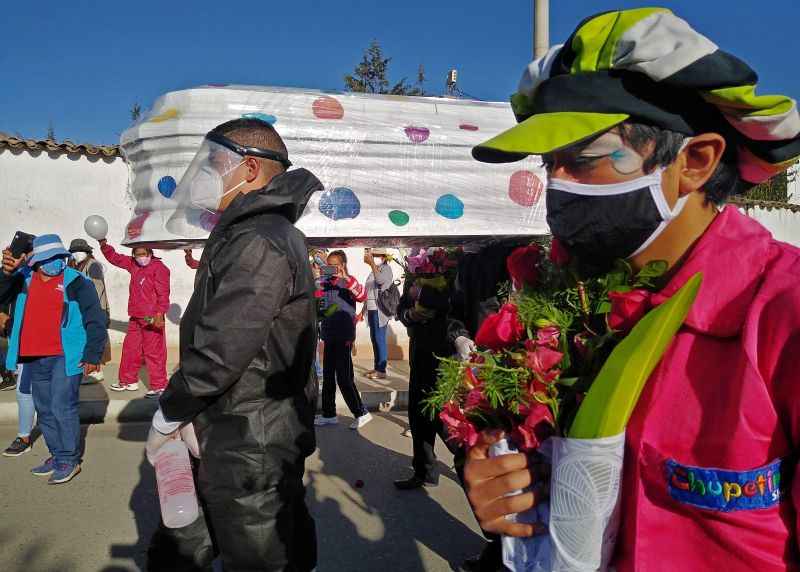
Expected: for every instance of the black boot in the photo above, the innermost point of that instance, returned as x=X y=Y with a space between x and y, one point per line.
x=415 y=482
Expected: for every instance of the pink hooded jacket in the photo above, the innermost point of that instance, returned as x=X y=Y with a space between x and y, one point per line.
x=713 y=441
x=149 y=289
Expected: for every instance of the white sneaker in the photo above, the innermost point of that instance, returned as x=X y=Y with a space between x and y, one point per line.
x=121 y=387
x=97 y=375
x=319 y=420
x=361 y=421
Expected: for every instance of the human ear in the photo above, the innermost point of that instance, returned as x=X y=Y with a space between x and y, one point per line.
x=698 y=160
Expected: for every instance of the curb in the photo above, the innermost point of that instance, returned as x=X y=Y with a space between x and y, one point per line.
x=94 y=411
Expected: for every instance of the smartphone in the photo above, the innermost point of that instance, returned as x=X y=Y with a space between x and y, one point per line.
x=327 y=270
x=21 y=244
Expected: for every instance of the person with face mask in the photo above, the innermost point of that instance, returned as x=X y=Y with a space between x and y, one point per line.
x=248 y=338
x=58 y=334
x=84 y=261
x=646 y=128
x=148 y=302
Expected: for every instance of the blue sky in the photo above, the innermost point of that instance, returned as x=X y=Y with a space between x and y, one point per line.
x=82 y=64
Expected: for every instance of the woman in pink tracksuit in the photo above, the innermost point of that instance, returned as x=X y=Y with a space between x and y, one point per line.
x=147 y=304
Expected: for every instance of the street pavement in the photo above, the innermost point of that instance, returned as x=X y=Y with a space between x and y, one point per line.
x=103 y=520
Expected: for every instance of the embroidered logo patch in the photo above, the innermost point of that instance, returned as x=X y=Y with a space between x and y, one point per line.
x=718 y=489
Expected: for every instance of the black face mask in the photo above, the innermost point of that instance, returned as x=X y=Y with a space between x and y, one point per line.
x=599 y=224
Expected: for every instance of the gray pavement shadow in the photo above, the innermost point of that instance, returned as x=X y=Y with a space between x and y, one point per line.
x=143 y=503
x=369 y=525
x=33 y=556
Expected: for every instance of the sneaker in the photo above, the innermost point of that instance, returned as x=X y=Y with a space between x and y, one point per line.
x=124 y=387
x=361 y=421
x=64 y=473
x=377 y=375
x=45 y=469
x=19 y=446
x=8 y=383
x=154 y=393
x=97 y=375
x=320 y=420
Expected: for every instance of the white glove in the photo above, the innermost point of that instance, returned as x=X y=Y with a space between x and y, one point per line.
x=161 y=431
x=188 y=436
x=464 y=347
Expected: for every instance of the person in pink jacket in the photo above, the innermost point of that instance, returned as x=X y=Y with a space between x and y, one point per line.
x=148 y=301
x=646 y=128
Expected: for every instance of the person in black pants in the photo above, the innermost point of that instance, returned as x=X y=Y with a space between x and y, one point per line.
x=340 y=293
x=423 y=310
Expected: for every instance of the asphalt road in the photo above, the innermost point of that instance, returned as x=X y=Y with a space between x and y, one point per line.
x=103 y=520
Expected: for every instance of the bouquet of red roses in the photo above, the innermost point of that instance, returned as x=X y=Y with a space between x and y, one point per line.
x=562 y=365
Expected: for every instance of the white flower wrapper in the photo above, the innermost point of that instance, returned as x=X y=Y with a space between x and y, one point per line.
x=582 y=514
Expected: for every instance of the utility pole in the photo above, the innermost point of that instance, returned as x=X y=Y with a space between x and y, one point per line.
x=541 y=27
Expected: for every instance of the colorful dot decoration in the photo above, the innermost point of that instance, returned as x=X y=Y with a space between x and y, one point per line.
x=166 y=186
x=450 y=206
x=468 y=127
x=165 y=115
x=417 y=134
x=399 y=218
x=134 y=227
x=340 y=203
x=327 y=107
x=525 y=188
x=265 y=117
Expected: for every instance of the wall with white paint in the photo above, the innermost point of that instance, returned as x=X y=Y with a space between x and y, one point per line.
x=42 y=193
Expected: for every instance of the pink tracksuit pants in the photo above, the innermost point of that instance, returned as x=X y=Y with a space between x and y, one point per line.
x=148 y=344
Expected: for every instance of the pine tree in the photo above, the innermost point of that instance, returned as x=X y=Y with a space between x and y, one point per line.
x=371 y=75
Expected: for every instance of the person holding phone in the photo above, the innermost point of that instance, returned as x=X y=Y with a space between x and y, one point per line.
x=148 y=302
x=341 y=293
x=59 y=334
x=379 y=279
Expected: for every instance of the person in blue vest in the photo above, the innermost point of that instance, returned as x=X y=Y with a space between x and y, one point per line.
x=59 y=335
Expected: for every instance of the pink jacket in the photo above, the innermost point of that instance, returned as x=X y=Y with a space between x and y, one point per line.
x=149 y=289
x=713 y=441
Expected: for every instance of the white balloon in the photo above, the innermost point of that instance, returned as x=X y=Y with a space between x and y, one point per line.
x=96 y=227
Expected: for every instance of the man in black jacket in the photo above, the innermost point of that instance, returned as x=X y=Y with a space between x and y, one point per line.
x=423 y=311
x=245 y=380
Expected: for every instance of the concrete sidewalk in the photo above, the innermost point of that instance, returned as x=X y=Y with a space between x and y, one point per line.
x=98 y=404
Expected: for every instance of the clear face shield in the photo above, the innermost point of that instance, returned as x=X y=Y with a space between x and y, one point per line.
x=209 y=178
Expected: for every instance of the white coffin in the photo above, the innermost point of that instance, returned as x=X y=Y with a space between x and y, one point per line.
x=406 y=160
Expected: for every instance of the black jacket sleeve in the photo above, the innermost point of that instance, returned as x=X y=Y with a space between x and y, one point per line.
x=10 y=286
x=456 y=319
x=253 y=283
x=94 y=321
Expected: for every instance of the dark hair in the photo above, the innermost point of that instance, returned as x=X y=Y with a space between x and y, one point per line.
x=723 y=183
x=147 y=248
x=251 y=132
x=340 y=253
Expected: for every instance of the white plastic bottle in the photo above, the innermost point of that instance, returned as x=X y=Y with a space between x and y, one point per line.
x=175 y=485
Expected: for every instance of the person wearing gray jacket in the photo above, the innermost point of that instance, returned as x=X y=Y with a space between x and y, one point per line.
x=378 y=280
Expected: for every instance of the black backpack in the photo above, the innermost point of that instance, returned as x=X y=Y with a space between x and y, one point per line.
x=389 y=299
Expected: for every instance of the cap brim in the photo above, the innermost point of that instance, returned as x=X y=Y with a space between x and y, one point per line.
x=545 y=133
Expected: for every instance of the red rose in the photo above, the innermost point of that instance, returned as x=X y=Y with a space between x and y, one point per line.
x=500 y=330
x=523 y=265
x=558 y=254
x=548 y=336
x=477 y=400
x=627 y=308
x=459 y=428
x=543 y=359
x=537 y=426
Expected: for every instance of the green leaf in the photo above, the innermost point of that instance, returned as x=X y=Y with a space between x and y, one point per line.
x=567 y=381
x=652 y=271
x=612 y=397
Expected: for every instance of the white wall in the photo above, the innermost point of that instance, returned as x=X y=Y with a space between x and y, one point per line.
x=42 y=193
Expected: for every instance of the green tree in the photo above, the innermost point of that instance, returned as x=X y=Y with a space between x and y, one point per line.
x=371 y=75
x=136 y=112
x=51 y=133
x=775 y=189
